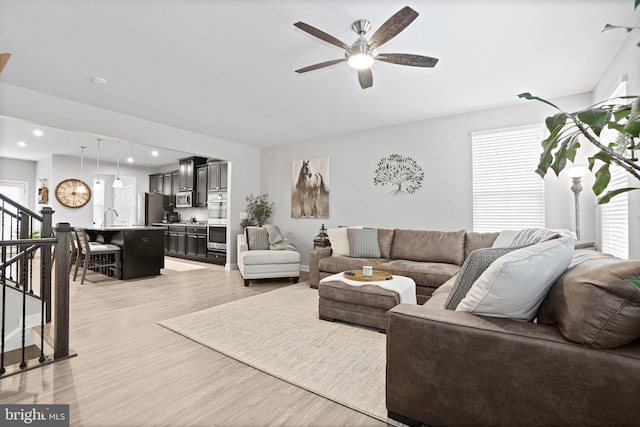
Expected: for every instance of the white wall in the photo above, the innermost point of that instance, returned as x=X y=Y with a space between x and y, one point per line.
x=21 y=170
x=57 y=112
x=626 y=62
x=441 y=146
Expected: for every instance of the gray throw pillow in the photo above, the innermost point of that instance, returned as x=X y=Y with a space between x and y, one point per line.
x=257 y=238
x=475 y=264
x=363 y=242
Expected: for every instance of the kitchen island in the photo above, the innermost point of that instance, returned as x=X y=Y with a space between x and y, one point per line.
x=142 y=248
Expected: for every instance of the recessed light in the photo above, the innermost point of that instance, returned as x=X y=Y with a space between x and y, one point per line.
x=130 y=159
x=22 y=144
x=38 y=132
x=99 y=81
x=154 y=153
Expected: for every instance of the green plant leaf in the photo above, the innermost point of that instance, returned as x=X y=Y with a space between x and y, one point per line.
x=603 y=157
x=611 y=194
x=527 y=95
x=603 y=176
x=572 y=149
x=636 y=3
x=634 y=282
x=596 y=118
x=546 y=158
x=557 y=121
x=560 y=157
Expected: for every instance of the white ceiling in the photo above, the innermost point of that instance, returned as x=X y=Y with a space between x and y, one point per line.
x=226 y=68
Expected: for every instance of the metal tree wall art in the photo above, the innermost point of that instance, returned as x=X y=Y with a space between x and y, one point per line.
x=397 y=170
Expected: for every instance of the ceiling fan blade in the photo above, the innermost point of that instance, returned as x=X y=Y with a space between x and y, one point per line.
x=320 y=65
x=365 y=77
x=408 y=59
x=393 y=26
x=322 y=35
x=4 y=58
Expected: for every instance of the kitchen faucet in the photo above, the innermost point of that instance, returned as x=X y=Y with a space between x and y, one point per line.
x=104 y=222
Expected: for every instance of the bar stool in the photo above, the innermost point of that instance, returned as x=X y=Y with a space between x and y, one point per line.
x=95 y=255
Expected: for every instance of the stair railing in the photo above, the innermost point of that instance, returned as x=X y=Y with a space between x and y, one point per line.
x=26 y=241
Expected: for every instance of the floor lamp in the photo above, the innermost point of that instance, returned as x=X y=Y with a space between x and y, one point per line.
x=576 y=172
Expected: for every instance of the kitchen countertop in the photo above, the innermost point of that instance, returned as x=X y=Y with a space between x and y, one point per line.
x=192 y=224
x=122 y=227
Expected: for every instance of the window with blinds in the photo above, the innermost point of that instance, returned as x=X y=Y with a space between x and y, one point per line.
x=507 y=193
x=614 y=216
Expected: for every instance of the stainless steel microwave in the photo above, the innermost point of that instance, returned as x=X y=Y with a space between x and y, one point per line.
x=184 y=199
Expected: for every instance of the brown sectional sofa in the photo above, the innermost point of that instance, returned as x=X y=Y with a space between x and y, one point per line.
x=577 y=365
x=430 y=258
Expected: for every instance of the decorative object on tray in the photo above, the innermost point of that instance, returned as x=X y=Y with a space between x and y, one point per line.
x=310 y=188
x=376 y=275
x=397 y=170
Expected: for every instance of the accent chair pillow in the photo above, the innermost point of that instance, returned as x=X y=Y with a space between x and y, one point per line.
x=339 y=241
x=515 y=284
x=475 y=264
x=257 y=238
x=363 y=242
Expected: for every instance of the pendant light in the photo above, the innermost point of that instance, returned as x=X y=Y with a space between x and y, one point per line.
x=81 y=188
x=98 y=184
x=117 y=183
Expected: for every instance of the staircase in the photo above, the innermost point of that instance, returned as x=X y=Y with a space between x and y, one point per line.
x=26 y=288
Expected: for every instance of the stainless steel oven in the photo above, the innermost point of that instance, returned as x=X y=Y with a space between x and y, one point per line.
x=217 y=208
x=217 y=238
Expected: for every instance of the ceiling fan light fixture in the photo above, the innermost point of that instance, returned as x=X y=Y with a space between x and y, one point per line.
x=361 y=61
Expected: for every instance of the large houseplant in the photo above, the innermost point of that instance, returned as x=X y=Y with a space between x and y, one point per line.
x=566 y=128
x=259 y=209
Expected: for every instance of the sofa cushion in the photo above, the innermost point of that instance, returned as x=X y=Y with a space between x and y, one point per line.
x=516 y=283
x=257 y=238
x=431 y=274
x=593 y=304
x=363 y=242
x=262 y=257
x=429 y=246
x=339 y=241
x=385 y=240
x=475 y=264
x=474 y=240
x=338 y=264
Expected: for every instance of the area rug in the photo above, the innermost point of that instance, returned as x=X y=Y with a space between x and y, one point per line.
x=174 y=265
x=278 y=332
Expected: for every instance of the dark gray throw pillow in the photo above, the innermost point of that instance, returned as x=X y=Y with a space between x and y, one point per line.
x=475 y=264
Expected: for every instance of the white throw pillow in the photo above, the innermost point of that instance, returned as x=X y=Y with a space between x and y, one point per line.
x=340 y=240
x=504 y=238
x=515 y=284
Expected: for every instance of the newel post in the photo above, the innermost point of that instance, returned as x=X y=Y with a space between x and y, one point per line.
x=63 y=267
x=46 y=230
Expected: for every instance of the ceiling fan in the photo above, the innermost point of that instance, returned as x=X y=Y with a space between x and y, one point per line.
x=4 y=58
x=363 y=53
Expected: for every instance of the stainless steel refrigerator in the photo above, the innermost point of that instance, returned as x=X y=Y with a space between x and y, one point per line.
x=150 y=208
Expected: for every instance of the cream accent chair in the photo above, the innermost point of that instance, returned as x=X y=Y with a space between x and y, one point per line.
x=266 y=264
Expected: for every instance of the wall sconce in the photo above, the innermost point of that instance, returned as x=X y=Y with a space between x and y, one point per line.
x=576 y=172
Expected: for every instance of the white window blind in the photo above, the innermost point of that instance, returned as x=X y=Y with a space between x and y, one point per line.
x=614 y=216
x=507 y=193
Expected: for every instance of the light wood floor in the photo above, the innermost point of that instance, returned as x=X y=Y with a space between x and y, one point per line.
x=131 y=372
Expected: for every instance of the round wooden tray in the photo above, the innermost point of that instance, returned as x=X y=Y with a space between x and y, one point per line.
x=378 y=276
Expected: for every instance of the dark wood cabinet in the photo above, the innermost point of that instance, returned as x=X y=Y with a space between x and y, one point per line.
x=156 y=183
x=201 y=185
x=168 y=189
x=218 y=176
x=188 y=172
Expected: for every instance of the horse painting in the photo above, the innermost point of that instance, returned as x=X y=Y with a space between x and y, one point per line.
x=311 y=191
